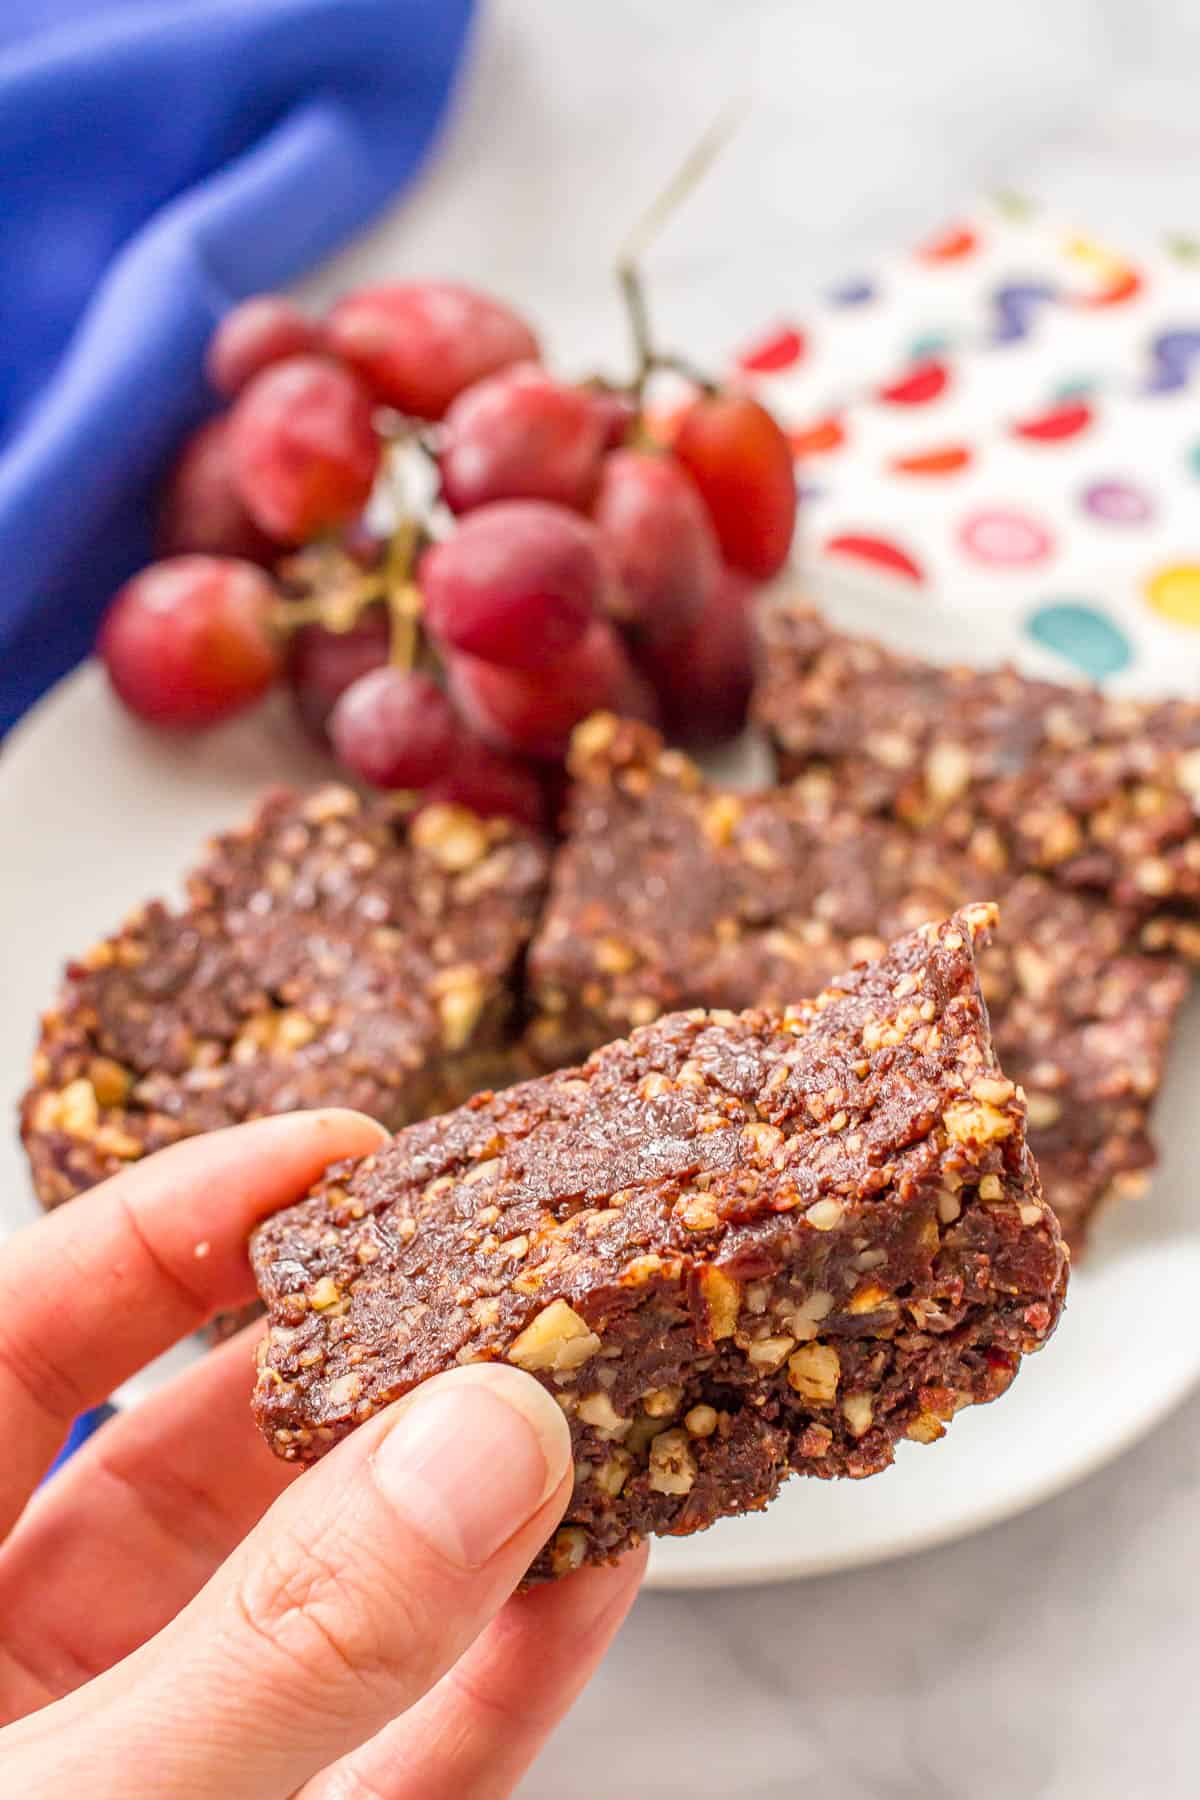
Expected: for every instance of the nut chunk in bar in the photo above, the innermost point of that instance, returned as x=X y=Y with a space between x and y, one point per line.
x=331 y=953
x=1100 y=792
x=733 y=1247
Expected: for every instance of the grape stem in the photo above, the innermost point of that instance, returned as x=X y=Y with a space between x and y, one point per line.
x=679 y=365
x=403 y=595
x=338 y=593
x=690 y=172
x=337 y=607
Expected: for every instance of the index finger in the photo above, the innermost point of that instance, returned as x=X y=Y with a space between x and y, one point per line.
x=97 y=1289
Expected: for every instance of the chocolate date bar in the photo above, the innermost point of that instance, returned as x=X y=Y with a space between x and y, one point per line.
x=330 y=953
x=733 y=1247
x=671 y=892
x=1100 y=793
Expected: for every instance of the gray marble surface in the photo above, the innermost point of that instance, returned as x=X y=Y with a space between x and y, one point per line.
x=1052 y=1658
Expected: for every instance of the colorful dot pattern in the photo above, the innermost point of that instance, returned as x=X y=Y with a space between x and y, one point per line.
x=1118 y=502
x=1063 y=482
x=1083 y=636
x=1174 y=594
x=1004 y=538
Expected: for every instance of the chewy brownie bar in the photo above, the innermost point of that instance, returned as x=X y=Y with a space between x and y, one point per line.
x=670 y=892
x=1099 y=792
x=330 y=954
x=732 y=1247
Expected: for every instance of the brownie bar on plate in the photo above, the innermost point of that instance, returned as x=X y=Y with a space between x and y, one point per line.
x=1101 y=793
x=670 y=892
x=734 y=1246
x=330 y=954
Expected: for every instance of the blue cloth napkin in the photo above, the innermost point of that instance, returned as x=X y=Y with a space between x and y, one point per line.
x=80 y=1432
x=158 y=162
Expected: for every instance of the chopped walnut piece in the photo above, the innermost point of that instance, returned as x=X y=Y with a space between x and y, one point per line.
x=78 y=1111
x=450 y=836
x=825 y=1215
x=672 y=1465
x=701 y=1421
x=949 y=1206
x=461 y=997
x=720 y=817
x=993 y=1089
x=597 y=1409
x=613 y=1472
x=330 y=802
x=869 y=1298
x=722 y=1297
x=814 y=1371
x=110 y=1080
x=763 y=1140
x=947 y=772
x=770 y=1353
x=698 y=1212
x=591 y=739
x=568 y=1549
x=981 y=1124
x=859 y=1413
x=556 y=1338
x=110 y=1140
x=926 y=1428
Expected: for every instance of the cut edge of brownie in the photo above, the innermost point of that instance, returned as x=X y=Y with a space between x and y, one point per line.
x=732 y=1247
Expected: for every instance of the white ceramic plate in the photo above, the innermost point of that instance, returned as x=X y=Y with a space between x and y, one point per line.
x=96 y=814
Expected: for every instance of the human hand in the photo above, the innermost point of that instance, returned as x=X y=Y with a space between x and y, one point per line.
x=180 y=1612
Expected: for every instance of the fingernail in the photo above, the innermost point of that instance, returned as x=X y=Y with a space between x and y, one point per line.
x=471 y=1458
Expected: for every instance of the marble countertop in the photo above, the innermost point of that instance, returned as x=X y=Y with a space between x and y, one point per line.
x=1052 y=1658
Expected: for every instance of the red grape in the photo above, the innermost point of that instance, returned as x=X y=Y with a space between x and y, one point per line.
x=521 y=435
x=262 y=330
x=201 y=509
x=187 y=641
x=617 y=413
x=740 y=461
x=703 y=680
x=490 y=783
x=418 y=344
x=322 y=664
x=394 y=727
x=532 y=712
x=517 y=583
x=304 y=448
x=663 y=545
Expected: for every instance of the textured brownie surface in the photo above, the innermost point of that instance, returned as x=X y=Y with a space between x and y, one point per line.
x=329 y=954
x=1100 y=792
x=670 y=892
x=733 y=1247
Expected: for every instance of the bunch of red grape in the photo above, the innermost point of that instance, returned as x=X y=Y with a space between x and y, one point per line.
x=574 y=562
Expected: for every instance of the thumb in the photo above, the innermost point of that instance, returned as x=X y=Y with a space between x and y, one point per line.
x=360 y=1587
